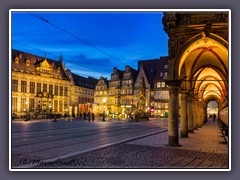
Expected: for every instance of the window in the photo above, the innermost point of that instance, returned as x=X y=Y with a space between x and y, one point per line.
x=14 y=104
x=162 y=84
x=38 y=87
x=60 y=105
x=163 y=95
x=117 y=100
x=166 y=105
x=31 y=104
x=23 y=104
x=44 y=87
x=14 y=85
x=61 y=90
x=165 y=66
x=23 y=86
x=56 y=90
x=161 y=74
x=32 y=87
x=165 y=74
x=55 y=105
x=50 y=89
x=158 y=84
x=65 y=91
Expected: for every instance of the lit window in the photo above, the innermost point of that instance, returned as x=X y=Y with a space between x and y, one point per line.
x=161 y=74
x=163 y=84
x=165 y=74
x=15 y=85
x=165 y=66
x=23 y=86
x=158 y=84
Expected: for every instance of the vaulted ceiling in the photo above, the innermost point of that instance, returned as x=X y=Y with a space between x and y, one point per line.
x=204 y=66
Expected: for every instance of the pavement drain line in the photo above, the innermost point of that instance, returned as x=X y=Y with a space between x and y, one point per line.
x=88 y=150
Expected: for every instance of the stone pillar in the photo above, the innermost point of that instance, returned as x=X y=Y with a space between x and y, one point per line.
x=184 y=119
x=205 y=114
x=190 y=114
x=195 y=115
x=202 y=115
x=173 y=117
x=199 y=114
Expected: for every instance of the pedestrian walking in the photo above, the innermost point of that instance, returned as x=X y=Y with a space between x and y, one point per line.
x=103 y=116
x=214 y=117
x=210 y=117
x=84 y=115
x=89 y=116
x=92 y=116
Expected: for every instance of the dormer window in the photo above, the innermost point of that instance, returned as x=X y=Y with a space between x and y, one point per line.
x=27 y=62
x=20 y=56
x=58 y=69
x=16 y=60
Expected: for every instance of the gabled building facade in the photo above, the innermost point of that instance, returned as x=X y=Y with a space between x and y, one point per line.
x=100 y=96
x=82 y=94
x=159 y=107
x=135 y=91
x=127 y=91
x=40 y=86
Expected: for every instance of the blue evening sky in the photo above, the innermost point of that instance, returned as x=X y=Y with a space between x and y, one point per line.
x=127 y=36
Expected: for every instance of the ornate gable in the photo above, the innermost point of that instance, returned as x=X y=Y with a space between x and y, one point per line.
x=45 y=67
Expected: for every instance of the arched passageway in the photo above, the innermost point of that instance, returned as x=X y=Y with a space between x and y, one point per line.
x=197 y=68
x=212 y=108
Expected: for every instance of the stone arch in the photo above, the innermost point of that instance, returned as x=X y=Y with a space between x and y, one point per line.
x=197 y=68
x=196 y=40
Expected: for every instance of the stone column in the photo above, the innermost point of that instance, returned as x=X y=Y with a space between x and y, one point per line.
x=195 y=115
x=173 y=117
x=198 y=114
x=190 y=114
x=202 y=115
x=184 y=120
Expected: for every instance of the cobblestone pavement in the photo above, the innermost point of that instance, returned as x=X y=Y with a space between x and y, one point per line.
x=201 y=150
x=46 y=140
x=139 y=156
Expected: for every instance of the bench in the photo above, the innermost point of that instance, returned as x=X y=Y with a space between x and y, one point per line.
x=224 y=130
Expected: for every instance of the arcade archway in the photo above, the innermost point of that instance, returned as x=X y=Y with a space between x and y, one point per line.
x=198 y=69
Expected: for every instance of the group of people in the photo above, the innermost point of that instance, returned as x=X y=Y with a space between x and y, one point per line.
x=213 y=117
x=88 y=116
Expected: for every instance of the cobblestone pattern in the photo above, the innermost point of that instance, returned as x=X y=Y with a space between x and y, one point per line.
x=138 y=156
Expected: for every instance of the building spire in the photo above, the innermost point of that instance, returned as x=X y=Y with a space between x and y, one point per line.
x=61 y=58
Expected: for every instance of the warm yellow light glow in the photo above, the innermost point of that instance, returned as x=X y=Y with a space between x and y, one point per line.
x=203 y=46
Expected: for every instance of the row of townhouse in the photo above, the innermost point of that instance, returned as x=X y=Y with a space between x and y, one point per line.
x=42 y=87
x=131 y=91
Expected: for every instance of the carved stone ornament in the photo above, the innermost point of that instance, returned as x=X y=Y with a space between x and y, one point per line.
x=204 y=37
